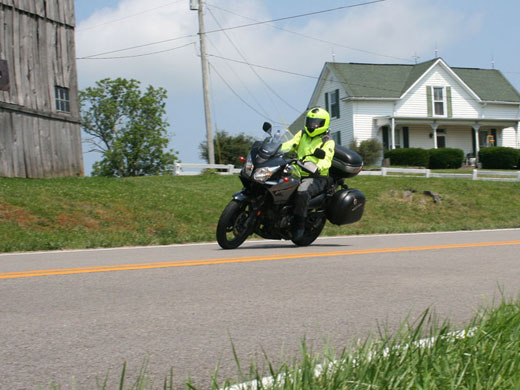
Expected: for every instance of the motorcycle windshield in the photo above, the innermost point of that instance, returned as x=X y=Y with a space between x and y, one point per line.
x=272 y=144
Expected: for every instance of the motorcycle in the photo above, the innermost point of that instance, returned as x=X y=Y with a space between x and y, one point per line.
x=265 y=204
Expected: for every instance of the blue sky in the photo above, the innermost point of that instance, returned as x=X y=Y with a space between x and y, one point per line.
x=466 y=33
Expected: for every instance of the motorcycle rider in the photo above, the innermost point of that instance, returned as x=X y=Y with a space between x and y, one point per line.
x=315 y=135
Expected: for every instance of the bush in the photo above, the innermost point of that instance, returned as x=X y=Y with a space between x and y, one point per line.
x=415 y=157
x=370 y=150
x=498 y=157
x=446 y=158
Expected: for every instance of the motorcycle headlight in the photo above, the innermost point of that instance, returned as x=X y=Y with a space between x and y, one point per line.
x=248 y=168
x=262 y=174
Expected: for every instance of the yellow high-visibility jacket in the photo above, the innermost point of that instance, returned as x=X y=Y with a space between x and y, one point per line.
x=305 y=145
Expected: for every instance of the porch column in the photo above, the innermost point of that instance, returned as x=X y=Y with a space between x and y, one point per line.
x=434 y=126
x=518 y=135
x=393 y=133
x=476 y=128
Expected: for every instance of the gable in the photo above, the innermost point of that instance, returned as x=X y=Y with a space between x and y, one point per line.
x=417 y=100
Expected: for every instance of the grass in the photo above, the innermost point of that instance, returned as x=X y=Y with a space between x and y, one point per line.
x=484 y=355
x=44 y=214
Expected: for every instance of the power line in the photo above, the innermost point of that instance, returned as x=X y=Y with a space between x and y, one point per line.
x=240 y=97
x=297 y=16
x=241 y=81
x=129 y=16
x=234 y=27
x=317 y=39
x=375 y=87
x=264 y=67
x=136 y=55
x=252 y=69
x=138 y=46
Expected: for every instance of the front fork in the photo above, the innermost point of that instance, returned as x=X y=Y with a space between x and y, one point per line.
x=254 y=208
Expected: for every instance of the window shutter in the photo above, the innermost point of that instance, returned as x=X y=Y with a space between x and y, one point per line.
x=406 y=139
x=327 y=102
x=337 y=101
x=448 y=101
x=429 y=100
x=385 y=138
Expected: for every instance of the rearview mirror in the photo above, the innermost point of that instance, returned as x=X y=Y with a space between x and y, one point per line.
x=267 y=127
x=319 y=153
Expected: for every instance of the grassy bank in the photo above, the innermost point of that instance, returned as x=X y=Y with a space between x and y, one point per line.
x=100 y=212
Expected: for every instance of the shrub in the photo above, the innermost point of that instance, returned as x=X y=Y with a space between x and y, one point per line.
x=408 y=157
x=446 y=158
x=370 y=150
x=498 y=157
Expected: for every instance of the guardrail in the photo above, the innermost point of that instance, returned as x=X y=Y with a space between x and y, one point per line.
x=188 y=169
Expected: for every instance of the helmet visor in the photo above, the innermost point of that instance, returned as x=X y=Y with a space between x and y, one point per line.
x=314 y=123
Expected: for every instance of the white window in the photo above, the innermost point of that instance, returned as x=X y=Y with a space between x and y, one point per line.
x=62 y=99
x=439 y=101
x=398 y=138
x=332 y=103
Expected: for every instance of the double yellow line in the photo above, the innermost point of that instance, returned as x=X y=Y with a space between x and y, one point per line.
x=229 y=260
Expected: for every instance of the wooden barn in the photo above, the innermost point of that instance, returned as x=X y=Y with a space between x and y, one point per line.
x=40 y=133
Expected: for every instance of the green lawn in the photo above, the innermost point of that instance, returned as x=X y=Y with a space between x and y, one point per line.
x=42 y=214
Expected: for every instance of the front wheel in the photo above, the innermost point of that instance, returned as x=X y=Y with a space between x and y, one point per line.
x=232 y=228
x=313 y=226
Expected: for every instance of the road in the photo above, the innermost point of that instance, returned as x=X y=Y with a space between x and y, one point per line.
x=71 y=316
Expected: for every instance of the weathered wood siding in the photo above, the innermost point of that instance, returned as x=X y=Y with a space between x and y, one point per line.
x=37 y=41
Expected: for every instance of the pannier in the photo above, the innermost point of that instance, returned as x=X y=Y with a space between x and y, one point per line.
x=346 y=206
x=346 y=163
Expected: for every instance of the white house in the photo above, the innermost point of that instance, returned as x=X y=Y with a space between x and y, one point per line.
x=427 y=105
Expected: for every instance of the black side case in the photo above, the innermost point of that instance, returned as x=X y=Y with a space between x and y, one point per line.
x=346 y=206
x=346 y=163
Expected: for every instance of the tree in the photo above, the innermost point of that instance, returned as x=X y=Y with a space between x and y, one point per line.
x=227 y=147
x=127 y=127
x=370 y=149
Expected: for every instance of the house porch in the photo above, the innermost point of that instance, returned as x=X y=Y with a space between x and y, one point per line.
x=433 y=133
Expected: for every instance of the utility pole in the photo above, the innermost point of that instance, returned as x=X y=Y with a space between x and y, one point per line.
x=197 y=5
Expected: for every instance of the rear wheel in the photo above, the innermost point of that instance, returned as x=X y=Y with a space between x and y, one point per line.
x=232 y=229
x=313 y=226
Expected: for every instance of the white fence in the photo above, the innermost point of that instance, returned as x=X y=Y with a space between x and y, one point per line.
x=477 y=174
x=187 y=169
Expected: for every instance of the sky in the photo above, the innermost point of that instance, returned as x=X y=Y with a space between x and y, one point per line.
x=268 y=71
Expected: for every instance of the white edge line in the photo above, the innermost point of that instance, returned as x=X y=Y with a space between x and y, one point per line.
x=268 y=381
x=253 y=241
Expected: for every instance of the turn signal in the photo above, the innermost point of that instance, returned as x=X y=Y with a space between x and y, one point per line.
x=242 y=159
x=286 y=180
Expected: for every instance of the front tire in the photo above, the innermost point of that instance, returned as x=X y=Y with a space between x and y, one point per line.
x=232 y=228
x=313 y=226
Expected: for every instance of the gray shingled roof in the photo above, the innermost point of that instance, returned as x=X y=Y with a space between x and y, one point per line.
x=392 y=80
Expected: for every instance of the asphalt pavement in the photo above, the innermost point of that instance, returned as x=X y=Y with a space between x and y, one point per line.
x=70 y=317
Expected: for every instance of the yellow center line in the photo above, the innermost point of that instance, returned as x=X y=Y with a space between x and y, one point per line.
x=242 y=259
